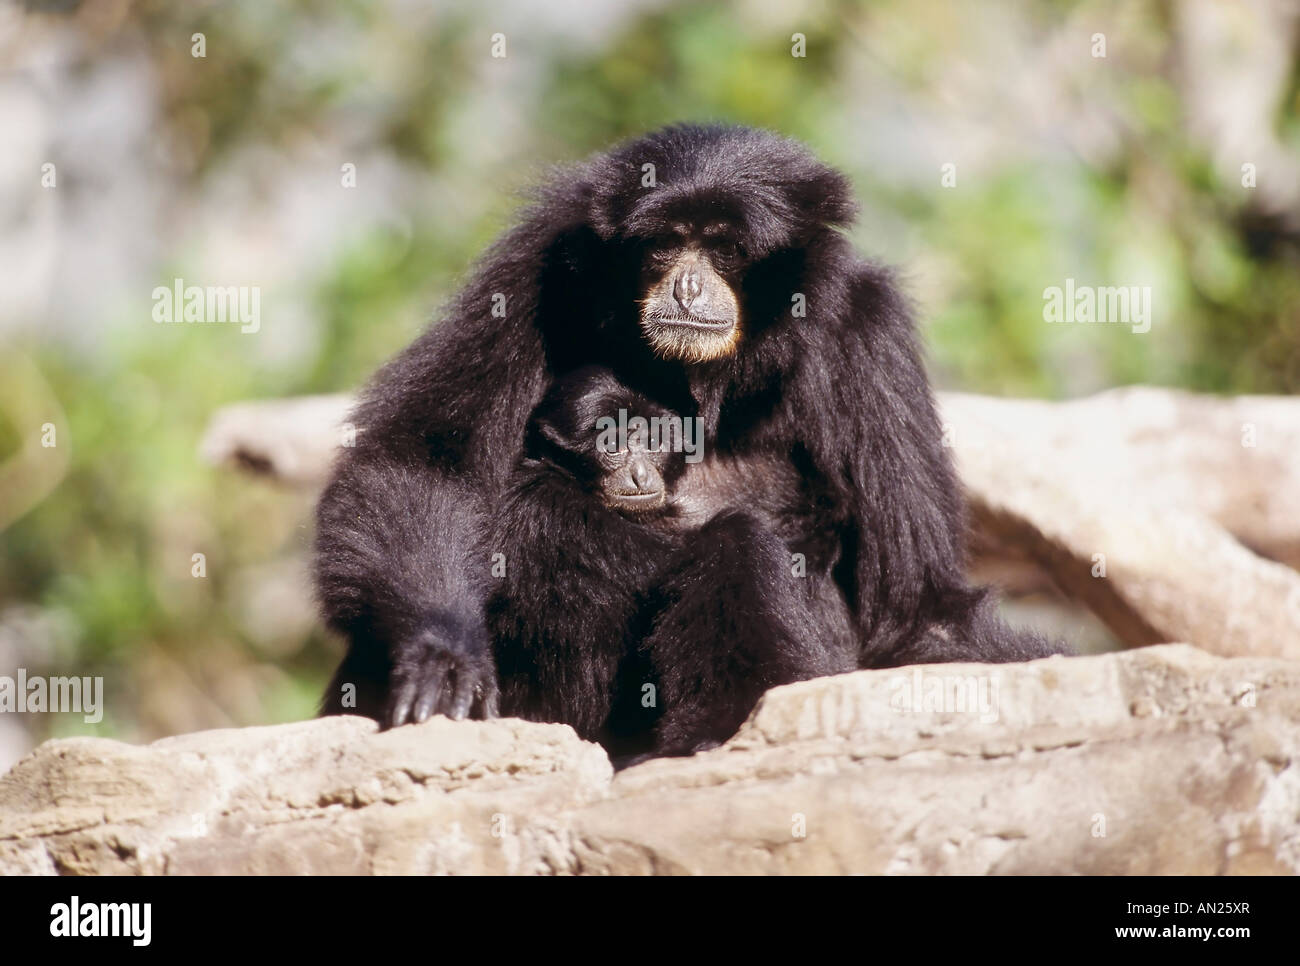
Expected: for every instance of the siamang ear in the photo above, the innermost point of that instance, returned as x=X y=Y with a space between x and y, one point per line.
x=612 y=195
x=559 y=208
x=585 y=194
x=823 y=199
x=548 y=441
x=553 y=435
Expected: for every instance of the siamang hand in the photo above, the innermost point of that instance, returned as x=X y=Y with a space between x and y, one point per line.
x=447 y=669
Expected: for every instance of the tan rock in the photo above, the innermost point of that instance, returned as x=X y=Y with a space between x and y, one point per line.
x=1159 y=760
x=1145 y=504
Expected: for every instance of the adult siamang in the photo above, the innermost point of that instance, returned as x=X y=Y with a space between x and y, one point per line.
x=703 y=268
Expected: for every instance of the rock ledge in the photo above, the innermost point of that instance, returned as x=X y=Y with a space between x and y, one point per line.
x=1161 y=760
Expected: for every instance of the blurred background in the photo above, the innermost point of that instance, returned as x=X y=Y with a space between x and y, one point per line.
x=227 y=169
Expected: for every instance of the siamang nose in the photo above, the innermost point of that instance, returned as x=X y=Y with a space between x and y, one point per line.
x=641 y=477
x=686 y=288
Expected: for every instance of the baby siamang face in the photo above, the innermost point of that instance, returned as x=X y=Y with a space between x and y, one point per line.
x=607 y=438
x=632 y=479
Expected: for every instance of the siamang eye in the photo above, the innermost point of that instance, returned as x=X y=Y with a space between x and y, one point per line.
x=726 y=248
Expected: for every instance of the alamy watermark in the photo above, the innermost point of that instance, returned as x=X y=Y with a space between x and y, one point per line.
x=129 y=920
x=923 y=691
x=236 y=304
x=1121 y=304
x=75 y=695
x=672 y=434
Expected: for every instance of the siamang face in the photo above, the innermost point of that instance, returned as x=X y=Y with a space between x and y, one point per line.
x=716 y=219
x=632 y=479
x=624 y=461
x=690 y=275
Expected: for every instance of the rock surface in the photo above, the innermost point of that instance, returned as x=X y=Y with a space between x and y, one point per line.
x=1157 y=760
x=1157 y=509
x=291 y=440
x=1191 y=504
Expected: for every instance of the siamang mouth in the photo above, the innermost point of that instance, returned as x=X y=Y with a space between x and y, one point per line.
x=691 y=338
x=705 y=325
x=636 y=501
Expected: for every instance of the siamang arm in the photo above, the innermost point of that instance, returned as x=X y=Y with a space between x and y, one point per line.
x=400 y=566
x=400 y=574
x=880 y=443
x=878 y=438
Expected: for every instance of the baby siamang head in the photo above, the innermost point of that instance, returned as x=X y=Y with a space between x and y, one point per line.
x=575 y=429
x=715 y=215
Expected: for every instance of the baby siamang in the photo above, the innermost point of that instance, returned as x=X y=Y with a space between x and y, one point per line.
x=623 y=542
x=702 y=266
x=603 y=439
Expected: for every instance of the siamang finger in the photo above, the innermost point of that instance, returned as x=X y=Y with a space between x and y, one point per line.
x=435 y=676
x=399 y=707
x=462 y=696
x=489 y=698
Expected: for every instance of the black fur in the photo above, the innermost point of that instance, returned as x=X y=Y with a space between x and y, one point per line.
x=694 y=570
x=576 y=572
x=564 y=438
x=821 y=439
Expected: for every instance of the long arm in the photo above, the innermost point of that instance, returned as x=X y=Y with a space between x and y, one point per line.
x=904 y=557
x=880 y=446
x=400 y=567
